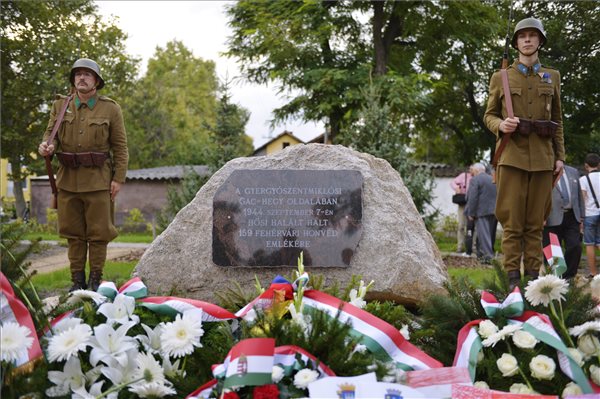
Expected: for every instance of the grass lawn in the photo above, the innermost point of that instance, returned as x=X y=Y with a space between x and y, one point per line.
x=122 y=237
x=60 y=280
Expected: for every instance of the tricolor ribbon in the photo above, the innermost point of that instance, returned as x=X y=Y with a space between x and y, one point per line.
x=204 y=391
x=539 y=325
x=171 y=306
x=512 y=306
x=12 y=309
x=554 y=255
x=134 y=288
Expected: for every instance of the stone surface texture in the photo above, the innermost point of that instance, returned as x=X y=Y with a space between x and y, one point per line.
x=396 y=250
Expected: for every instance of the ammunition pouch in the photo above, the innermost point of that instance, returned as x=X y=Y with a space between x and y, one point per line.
x=77 y=159
x=542 y=128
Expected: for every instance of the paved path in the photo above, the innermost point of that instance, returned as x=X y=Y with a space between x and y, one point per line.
x=56 y=257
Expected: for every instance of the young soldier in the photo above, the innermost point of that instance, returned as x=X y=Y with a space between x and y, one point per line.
x=92 y=150
x=533 y=154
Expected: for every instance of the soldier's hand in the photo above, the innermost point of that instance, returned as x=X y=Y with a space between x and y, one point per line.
x=509 y=125
x=44 y=149
x=558 y=166
x=114 y=189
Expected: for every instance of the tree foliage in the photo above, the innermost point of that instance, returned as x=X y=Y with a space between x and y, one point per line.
x=228 y=139
x=40 y=41
x=168 y=112
x=324 y=52
x=377 y=132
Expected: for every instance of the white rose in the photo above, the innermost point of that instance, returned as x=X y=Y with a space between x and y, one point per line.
x=508 y=365
x=520 y=388
x=542 y=367
x=487 y=328
x=524 y=340
x=588 y=344
x=481 y=384
x=595 y=374
x=571 y=389
x=277 y=374
x=577 y=356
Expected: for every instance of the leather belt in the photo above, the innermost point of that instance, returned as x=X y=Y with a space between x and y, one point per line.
x=542 y=128
x=77 y=159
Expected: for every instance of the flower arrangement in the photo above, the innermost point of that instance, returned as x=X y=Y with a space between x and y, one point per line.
x=544 y=343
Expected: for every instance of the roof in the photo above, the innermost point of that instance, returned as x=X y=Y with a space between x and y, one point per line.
x=284 y=133
x=160 y=173
x=166 y=172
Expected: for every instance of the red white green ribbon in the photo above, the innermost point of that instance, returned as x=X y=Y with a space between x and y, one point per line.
x=204 y=391
x=250 y=363
x=285 y=356
x=171 y=306
x=12 y=309
x=134 y=288
x=540 y=326
x=468 y=347
x=266 y=299
x=381 y=338
x=512 y=306
x=554 y=255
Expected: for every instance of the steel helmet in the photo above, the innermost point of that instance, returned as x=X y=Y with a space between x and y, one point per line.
x=87 y=64
x=529 y=23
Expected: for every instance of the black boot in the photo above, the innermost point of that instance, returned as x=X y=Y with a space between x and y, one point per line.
x=532 y=274
x=514 y=278
x=78 y=279
x=94 y=281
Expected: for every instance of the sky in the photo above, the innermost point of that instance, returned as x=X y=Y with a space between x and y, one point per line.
x=202 y=27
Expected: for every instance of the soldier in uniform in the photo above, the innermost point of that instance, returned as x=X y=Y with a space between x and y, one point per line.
x=91 y=146
x=534 y=154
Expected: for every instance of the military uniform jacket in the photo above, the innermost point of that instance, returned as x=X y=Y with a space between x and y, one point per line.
x=535 y=94
x=97 y=127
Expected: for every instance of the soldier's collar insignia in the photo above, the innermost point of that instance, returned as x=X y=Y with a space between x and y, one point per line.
x=524 y=69
x=546 y=77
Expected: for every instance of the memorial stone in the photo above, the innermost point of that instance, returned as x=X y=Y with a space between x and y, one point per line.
x=388 y=242
x=268 y=217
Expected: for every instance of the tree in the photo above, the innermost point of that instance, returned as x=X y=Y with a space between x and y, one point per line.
x=168 y=112
x=378 y=132
x=228 y=139
x=313 y=48
x=40 y=41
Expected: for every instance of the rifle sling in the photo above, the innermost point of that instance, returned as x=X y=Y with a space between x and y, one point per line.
x=509 y=111
x=48 y=158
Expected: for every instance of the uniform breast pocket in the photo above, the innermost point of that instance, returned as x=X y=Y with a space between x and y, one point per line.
x=99 y=128
x=66 y=128
x=545 y=102
x=515 y=94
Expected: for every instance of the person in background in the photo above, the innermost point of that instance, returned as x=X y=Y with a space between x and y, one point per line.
x=590 y=187
x=460 y=185
x=565 y=219
x=91 y=146
x=481 y=203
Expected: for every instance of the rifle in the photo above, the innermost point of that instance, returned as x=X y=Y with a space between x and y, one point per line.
x=48 y=158
x=506 y=89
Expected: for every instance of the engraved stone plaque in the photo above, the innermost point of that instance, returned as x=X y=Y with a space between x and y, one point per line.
x=267 y=217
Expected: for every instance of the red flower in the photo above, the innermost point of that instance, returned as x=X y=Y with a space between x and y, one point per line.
x=231 y=395
x=266 y=392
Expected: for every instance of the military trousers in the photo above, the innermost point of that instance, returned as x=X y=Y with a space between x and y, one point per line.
x=523 y=203
x=86 y=220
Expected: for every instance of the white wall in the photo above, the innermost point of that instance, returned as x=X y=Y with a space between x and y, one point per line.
x=442 y=196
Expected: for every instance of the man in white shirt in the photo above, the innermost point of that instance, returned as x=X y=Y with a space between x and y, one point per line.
x=590 y=187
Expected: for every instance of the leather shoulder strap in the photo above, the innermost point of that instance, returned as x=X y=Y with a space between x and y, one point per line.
x=59 y=119
x=592 y=190
x=509 y=111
